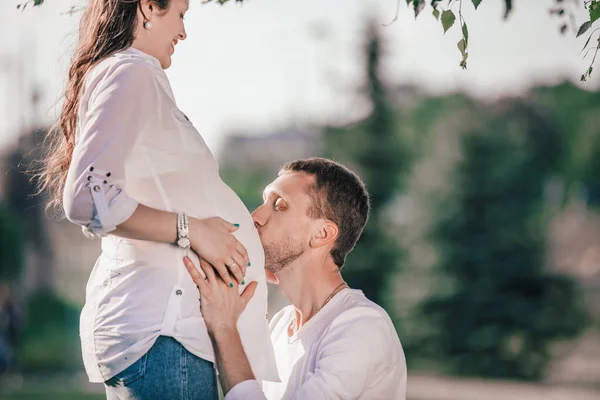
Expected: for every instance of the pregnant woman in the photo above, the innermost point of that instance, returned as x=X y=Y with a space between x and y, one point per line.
x=127 y=165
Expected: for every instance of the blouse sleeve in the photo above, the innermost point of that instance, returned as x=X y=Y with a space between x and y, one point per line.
x=122 y=100
x=247 y=390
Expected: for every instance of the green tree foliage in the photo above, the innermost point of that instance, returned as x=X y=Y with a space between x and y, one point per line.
x=248 y=184
x=505 y=307
x=576 y=113
x=375 y=149
x=11 y=244
x=446 y=13
x=50 y=341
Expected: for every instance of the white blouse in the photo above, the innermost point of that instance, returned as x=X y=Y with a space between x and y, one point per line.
x=348 y=351
x=133 y=145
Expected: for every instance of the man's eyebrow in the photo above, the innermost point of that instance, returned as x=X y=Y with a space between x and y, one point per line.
x=270 y=190
x=264 y=193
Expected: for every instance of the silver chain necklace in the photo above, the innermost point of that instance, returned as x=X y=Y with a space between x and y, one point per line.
x=293 y=328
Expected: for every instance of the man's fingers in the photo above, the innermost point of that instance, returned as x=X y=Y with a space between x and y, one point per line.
x=248 y=293
x=196 y=275
x=207 y=270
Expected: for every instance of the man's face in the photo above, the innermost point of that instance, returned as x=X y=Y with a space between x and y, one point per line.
x=282 y=221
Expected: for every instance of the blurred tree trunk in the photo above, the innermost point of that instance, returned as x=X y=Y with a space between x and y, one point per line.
x=374 y=149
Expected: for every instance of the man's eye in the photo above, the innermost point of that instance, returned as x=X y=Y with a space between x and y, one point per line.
x=279 y=204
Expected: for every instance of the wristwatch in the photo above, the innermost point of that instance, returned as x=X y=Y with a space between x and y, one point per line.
x=183 y=239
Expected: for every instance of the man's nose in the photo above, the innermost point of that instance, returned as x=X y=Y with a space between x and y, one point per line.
x=259 y=216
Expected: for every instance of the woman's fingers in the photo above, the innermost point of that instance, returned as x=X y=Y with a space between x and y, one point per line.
x=242 y=251
x=223 y=272
x=229 y=226
x=235 y=267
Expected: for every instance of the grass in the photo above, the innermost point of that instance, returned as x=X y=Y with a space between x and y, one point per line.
x=27 y=394
x=49 y=387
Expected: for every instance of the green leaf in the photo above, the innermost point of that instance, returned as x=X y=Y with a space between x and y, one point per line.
x=508 y=9
x=465 y=32
x=436 y=13
x=594 y=10
x=462 y=46
x=583 y=28
x=476 y=3
x=586 y=43
x=563 y=29
x=418 y=5
x=463 y=62
x=448 y=19
x=38 y=2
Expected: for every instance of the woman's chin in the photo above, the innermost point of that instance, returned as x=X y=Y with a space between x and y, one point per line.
x=166 y=62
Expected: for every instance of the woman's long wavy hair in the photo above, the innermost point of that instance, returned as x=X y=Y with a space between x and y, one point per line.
x=106 y=27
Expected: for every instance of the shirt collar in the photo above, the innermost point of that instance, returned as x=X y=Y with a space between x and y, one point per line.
x=132 y=51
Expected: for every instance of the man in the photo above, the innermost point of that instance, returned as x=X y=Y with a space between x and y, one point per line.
x=331 y=342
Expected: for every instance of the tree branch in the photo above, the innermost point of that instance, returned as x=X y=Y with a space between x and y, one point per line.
x=396 y=16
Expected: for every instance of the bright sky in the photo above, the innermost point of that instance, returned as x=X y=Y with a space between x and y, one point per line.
x=259 y=66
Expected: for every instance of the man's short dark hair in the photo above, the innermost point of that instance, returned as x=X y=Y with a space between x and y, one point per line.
x=338 y=195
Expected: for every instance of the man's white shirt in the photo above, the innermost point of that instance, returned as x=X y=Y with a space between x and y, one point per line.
x=348 y=350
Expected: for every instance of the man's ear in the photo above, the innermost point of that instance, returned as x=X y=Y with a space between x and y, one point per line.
x=327 y=233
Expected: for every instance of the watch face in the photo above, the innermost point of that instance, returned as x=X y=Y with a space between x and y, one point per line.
x=184 y=242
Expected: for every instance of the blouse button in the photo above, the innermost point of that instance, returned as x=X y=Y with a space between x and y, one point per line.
x=96 y=188
x=178 y=292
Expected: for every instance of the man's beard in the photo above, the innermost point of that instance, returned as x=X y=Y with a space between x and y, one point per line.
x=278 y=255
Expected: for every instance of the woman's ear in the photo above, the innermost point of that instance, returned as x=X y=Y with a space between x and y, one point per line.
x=147 y=8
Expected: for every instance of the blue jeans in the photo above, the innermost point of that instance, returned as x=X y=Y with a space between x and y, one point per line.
x=167 y=372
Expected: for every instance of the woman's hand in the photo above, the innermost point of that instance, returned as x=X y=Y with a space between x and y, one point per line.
x=221 y=305
x=212 y=240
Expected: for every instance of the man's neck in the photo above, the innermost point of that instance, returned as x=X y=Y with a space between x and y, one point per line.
x=307 y=285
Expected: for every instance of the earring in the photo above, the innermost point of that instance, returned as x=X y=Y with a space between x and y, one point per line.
x=148 y=25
